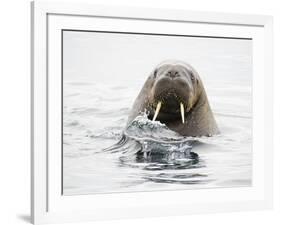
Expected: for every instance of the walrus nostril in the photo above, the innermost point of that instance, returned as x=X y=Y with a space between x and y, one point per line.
x=172 y=74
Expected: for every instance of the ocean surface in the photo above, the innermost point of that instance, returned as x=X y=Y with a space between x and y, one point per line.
x=99 y=156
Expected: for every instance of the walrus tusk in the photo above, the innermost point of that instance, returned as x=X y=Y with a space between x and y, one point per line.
x=182 y=112
x=157 y=111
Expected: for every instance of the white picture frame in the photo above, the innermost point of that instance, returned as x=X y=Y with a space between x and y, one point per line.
x=48 y=205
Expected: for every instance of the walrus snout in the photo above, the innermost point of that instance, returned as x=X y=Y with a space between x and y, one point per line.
x=171 y=90
x=171 y=96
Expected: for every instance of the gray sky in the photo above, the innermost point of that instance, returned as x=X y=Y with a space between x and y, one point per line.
x=108 y=57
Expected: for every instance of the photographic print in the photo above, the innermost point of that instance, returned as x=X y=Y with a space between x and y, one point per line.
x=154 y=112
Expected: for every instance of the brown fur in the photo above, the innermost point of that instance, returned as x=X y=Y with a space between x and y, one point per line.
x=199 y=119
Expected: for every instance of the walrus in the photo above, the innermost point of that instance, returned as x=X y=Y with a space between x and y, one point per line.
x=174 y=95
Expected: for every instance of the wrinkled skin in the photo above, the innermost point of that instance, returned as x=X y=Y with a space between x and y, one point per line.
x=172 y=83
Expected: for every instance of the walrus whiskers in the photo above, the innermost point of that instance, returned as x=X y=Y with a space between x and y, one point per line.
x=157 y=111
x=182 y=112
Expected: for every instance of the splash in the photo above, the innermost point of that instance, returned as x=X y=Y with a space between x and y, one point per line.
x=150 y=141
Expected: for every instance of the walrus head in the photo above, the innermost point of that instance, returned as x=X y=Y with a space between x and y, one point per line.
x=175 y=89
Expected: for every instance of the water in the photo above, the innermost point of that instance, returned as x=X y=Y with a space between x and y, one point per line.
x=99 y=156
x=103 y=74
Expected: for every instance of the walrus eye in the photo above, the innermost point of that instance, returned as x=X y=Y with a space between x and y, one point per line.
x=155 y=73
x=192 y=77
